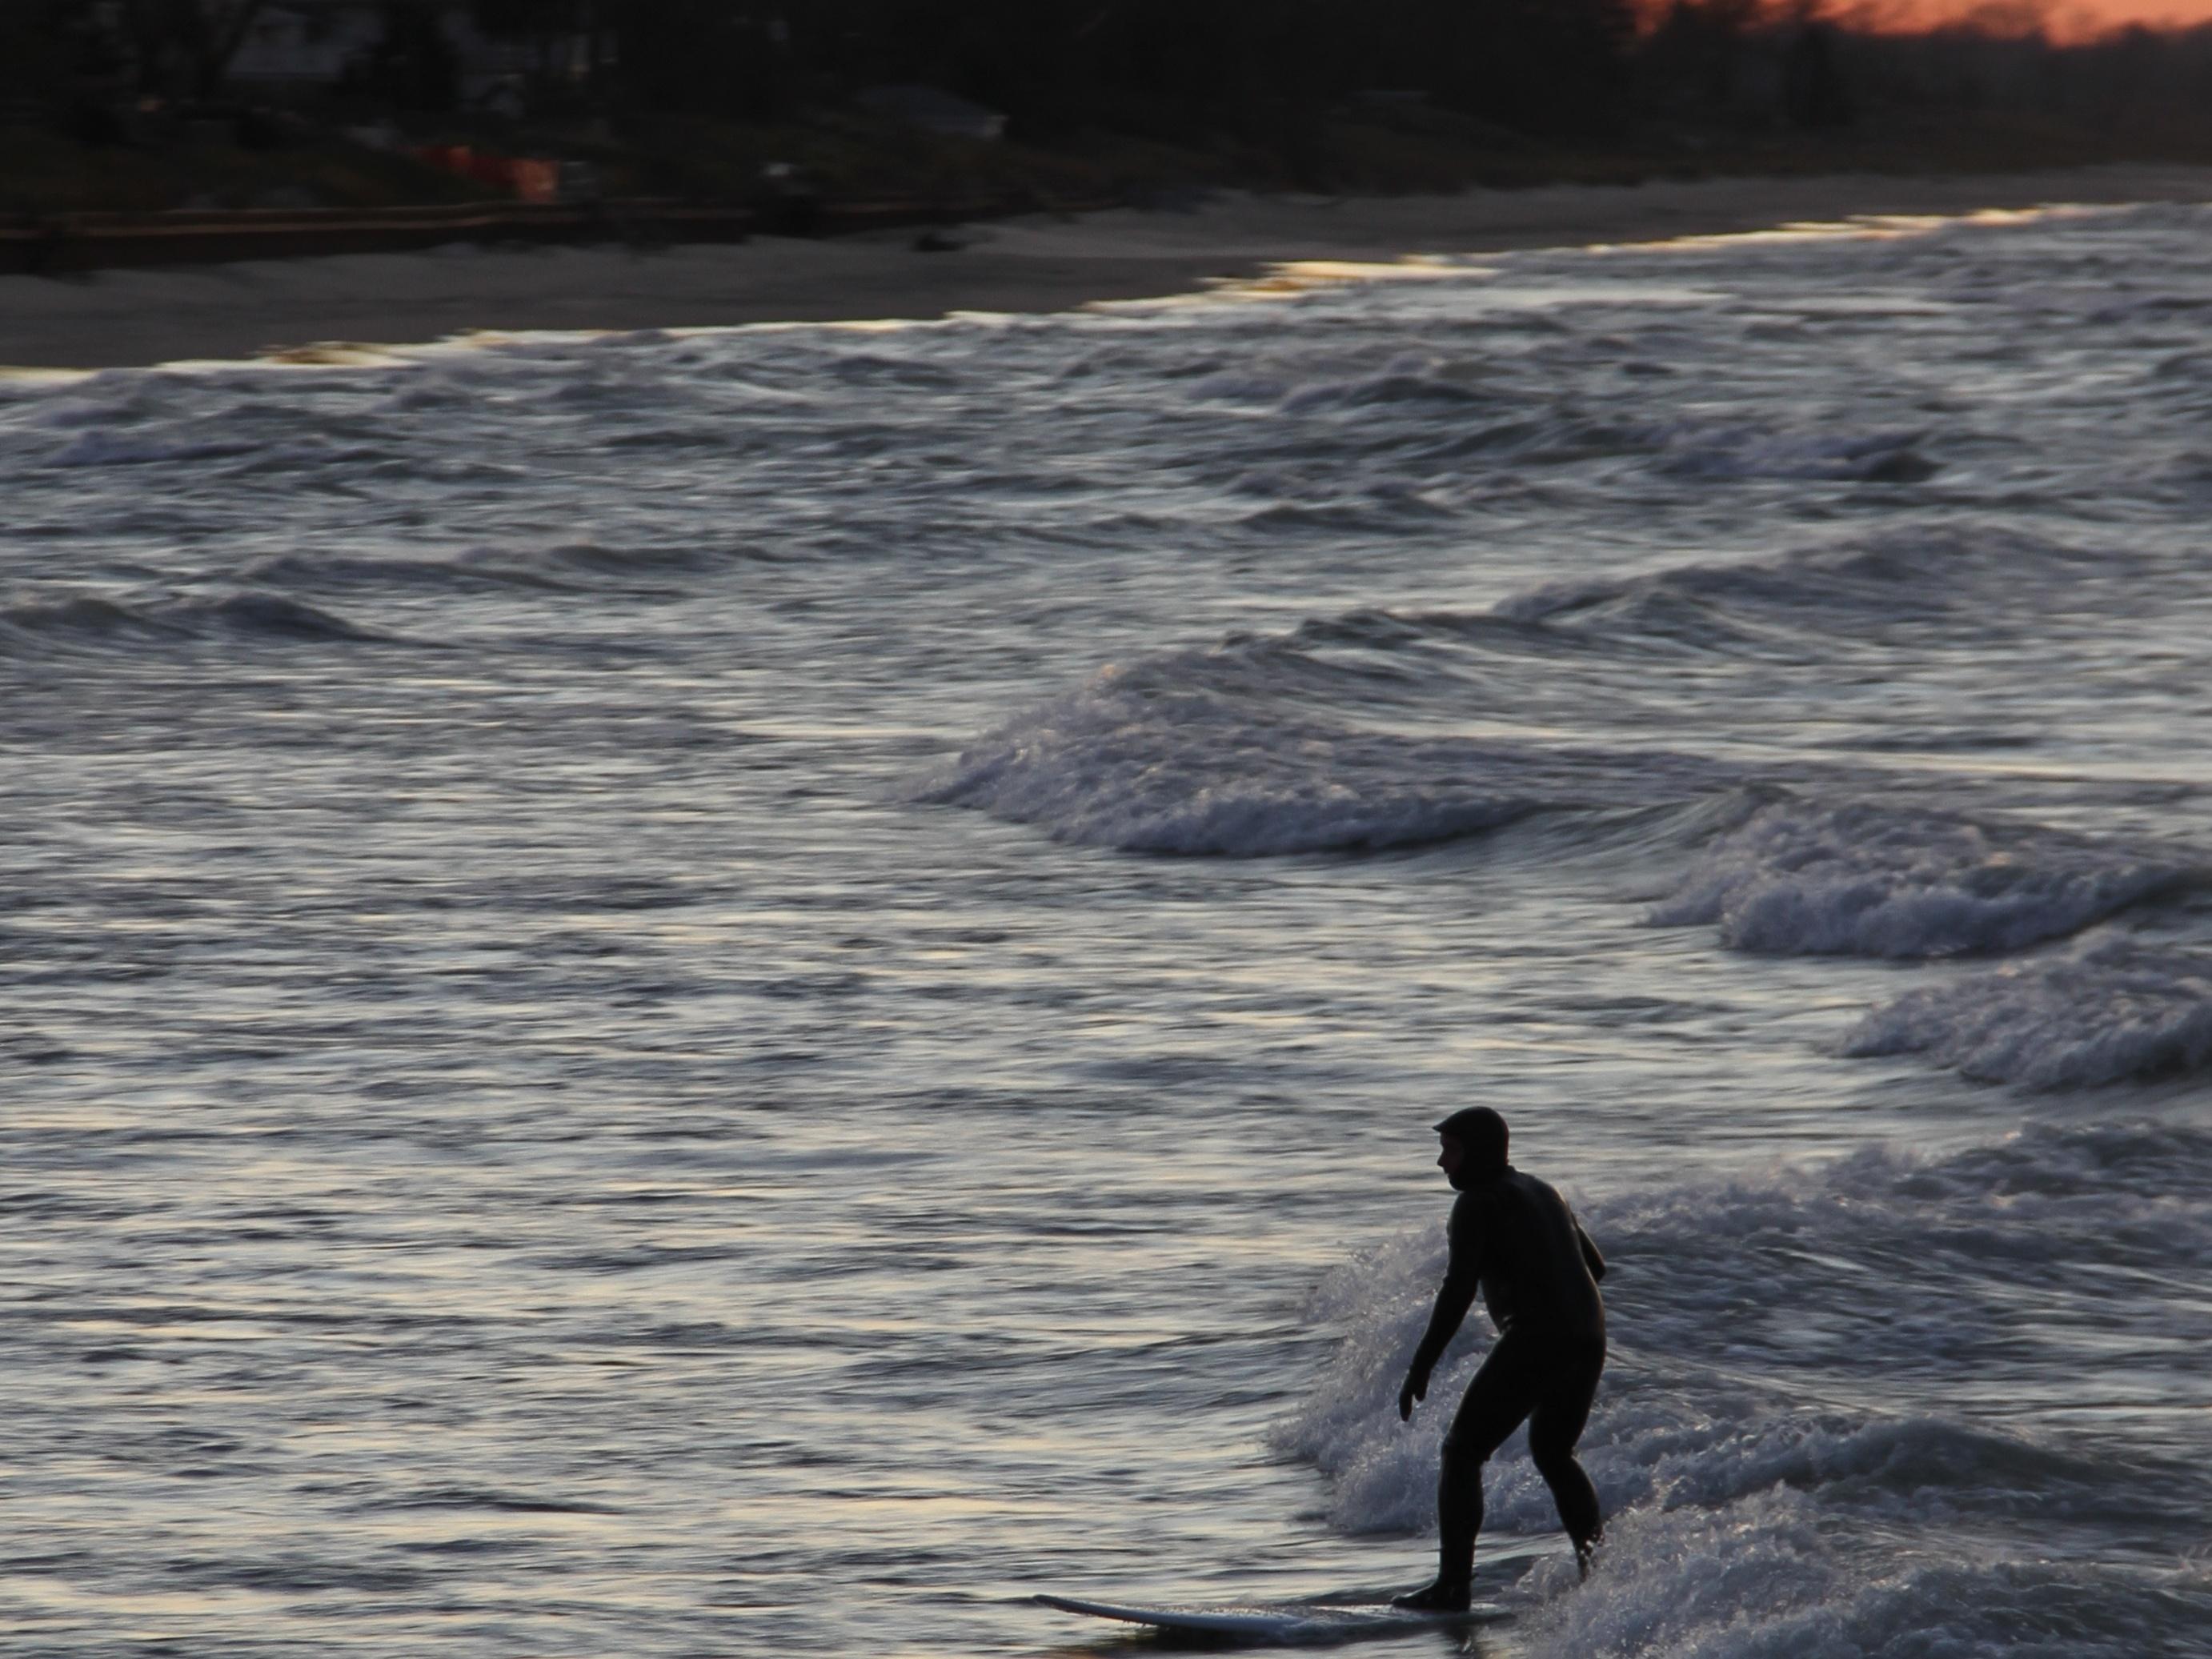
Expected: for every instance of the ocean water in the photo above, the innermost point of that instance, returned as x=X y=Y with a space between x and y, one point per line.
x=752 y=992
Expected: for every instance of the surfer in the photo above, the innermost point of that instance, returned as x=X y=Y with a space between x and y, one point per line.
x=1514 y=1238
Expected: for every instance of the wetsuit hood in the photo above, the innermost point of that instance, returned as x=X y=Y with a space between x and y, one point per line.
x=1481 y=1135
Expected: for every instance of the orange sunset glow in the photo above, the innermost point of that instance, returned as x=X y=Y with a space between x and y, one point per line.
x=2067 y=19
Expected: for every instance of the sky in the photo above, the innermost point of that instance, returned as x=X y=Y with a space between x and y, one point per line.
x=2063 y=19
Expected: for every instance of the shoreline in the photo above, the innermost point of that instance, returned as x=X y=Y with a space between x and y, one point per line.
x=1037 y=264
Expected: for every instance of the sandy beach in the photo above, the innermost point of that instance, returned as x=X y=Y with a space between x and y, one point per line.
x=1041 y=264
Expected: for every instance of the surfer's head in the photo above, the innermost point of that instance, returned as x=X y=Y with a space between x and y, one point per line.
x=1474 y=1146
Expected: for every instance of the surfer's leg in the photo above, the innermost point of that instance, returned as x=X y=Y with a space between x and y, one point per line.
x=1497 y=1401
x=1570 y=1386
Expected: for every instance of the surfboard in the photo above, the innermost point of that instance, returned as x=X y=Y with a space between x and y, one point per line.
x=1280 y=1621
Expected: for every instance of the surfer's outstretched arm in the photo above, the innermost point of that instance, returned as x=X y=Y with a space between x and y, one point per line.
x=1454 y=1297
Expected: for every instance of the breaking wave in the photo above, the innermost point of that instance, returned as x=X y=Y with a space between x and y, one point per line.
x=2118 y=1011
x=1154 y=761
x=1820 y=878
x=1338 y=733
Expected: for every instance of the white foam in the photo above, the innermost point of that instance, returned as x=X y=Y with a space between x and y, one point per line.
x=2116 y=1011
x=1157 y=760
x=1769 y=1579
x=1851 y=879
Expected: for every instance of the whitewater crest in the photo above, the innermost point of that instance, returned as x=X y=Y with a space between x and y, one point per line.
x=1766 y=1580
x=1809 y=878
x=1159 y=761
x=2117 y=1010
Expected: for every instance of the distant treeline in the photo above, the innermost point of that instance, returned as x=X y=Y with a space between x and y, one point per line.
x=1594 y=72
x=1589 y=71
x=1171 y=68
x=1738 y=62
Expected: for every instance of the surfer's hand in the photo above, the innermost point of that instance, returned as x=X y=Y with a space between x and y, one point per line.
x=1417 y=1388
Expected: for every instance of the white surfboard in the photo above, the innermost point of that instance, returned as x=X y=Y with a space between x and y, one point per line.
x=1280 y=1621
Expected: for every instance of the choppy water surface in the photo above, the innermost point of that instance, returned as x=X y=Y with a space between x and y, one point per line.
x=752 y=992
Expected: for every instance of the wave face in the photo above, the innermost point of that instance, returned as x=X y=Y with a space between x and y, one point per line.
x=1177 y=757
x=1933 y=582
x=1336 y=736
x=85 y=621
x=1892 y=457
x=2116 y=1012
x=1338 y=733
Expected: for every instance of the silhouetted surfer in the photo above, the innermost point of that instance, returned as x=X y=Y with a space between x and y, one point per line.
x=1515 y=1239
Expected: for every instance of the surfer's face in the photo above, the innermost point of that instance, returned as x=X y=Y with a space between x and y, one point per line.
x=1453 y=1155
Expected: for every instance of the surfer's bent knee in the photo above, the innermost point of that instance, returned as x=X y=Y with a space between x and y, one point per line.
x=1458 y=1454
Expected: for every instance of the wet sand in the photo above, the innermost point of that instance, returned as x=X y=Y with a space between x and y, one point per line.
x=1040 y=264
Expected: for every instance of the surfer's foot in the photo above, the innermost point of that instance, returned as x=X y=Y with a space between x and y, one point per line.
x=1445 y=1595
x=1586 y=1556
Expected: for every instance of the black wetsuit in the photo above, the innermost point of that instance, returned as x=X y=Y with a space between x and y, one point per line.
x=1514 y=1238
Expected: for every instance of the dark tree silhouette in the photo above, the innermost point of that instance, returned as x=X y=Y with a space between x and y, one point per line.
x=184 y=47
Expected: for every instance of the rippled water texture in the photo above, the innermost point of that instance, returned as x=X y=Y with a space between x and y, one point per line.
x=753 y=993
